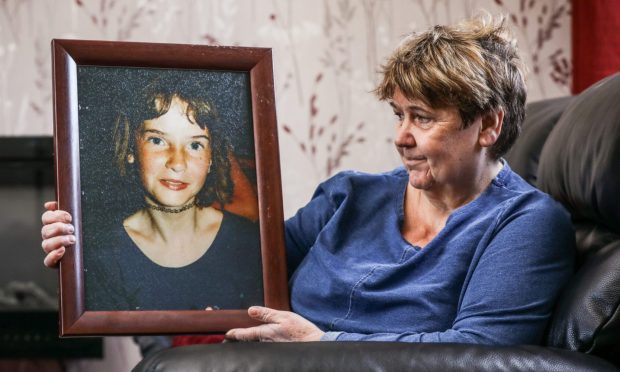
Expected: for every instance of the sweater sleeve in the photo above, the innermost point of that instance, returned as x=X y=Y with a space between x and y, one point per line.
x=509 y=296
x=302 y=229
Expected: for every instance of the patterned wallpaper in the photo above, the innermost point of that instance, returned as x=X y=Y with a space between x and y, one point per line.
x=326 y=54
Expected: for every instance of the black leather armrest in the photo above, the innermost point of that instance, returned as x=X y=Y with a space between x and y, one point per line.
x=368 y=356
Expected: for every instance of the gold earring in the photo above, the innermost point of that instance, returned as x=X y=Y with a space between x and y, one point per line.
x=130 y=159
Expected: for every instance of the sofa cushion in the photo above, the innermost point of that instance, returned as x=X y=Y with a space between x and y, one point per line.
x=587 y=316
x=368 y=356
x=580 y=162
x=580 y=167
x=540 y=118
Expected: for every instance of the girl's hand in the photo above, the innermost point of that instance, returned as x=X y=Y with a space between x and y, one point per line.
x=280 y=326
x=57 y=233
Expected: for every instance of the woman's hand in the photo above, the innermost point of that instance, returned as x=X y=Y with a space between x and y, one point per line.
x=57 y=232
x=280 y=326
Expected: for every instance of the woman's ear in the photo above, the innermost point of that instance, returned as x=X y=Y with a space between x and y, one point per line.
x=130 y=159
x=491 y=127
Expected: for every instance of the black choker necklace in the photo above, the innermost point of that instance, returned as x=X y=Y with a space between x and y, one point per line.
x=172 y=210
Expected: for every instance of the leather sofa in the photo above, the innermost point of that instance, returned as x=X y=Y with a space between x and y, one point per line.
x=569 y=148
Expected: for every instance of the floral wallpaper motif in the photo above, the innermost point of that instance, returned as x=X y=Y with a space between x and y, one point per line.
x=537 y=22
x=326 y=57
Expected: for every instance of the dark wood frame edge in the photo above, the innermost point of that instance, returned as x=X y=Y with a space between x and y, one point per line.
x=66 y=55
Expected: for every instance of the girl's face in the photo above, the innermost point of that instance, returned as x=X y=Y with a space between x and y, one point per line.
x=174 y=157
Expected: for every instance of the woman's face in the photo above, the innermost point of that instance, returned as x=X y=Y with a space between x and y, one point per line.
x=174 y=157
x=437 y=153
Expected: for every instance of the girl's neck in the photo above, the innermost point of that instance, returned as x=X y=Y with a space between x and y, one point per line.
x=174 y=239
x=170 y=226
x=164 y=209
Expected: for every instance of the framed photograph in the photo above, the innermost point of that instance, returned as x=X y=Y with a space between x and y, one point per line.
x=166 y=156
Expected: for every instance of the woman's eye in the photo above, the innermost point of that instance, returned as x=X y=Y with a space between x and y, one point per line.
x=399 y=115
x=423 y=119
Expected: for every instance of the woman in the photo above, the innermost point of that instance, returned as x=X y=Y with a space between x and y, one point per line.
x=451 y=247
x=172 y=150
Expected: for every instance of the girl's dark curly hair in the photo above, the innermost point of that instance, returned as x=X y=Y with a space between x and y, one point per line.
x=154 y=101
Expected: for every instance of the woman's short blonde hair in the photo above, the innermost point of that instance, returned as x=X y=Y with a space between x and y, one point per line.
x=474 y=66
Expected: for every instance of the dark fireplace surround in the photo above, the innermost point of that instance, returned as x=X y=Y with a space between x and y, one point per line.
x=28 y=291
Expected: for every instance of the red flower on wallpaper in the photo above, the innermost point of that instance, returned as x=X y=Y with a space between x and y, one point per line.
x=324 y=153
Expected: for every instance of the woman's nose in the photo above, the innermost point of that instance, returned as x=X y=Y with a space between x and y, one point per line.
x=404 y=136
x=176 y=160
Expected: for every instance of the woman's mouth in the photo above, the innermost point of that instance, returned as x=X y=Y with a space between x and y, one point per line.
x=414 y=160
x=174 y=185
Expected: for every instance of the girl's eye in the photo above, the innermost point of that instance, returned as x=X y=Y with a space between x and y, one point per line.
x=155 y=141
x=196 y=146
x=399 y=115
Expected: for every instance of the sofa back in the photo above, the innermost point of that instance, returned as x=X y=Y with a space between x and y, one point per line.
x=570 y=148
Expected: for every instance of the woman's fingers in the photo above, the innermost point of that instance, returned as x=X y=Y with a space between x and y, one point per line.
x=268 y=332
x=279 y=326
x=263 y=333
x=56 y=229
x=55 y=248
x=55 y=216
x=51 y=205
x=264 y=314
x=51 y=260
x=57 y=242
x=57 y=233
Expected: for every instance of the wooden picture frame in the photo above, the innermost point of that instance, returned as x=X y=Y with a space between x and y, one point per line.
x=84 y=74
